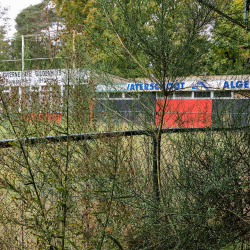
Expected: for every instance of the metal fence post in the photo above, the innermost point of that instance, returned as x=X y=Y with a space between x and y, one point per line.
x=155 y=170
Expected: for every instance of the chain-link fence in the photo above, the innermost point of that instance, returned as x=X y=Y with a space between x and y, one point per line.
x=106 y=189
x=146 y=160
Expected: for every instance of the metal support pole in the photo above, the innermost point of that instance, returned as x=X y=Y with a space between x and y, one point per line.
x=155 y=171
x=74 y=50
x=22 y=52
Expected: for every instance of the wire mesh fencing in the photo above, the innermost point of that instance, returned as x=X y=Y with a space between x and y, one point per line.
x=84 y=170
x=103 y=188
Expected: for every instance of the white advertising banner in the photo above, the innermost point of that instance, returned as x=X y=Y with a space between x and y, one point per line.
x=43 y=77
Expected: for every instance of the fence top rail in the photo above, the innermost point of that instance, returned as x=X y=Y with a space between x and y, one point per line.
x=91 y=136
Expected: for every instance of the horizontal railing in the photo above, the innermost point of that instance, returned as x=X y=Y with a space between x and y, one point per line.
x=91 y=136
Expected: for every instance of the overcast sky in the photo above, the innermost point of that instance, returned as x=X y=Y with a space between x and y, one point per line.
x=15 y=7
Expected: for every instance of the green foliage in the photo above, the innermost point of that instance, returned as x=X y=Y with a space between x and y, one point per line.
x=229 y=53
x=4 y=42
x=74 y=12
x=212 y=188
x=159 y=39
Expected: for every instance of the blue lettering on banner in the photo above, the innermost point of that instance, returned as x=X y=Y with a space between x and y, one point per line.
x=239 y=84
x=153 y=86
x=176 y=86
x=169 y=86
x=142 y=86
x=232 y=85
x=226 y=85
x=246 y=84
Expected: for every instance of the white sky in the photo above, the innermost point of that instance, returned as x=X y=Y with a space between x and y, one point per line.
x=15 y=7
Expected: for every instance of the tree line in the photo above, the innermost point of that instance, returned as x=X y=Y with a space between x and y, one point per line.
x=55 y=30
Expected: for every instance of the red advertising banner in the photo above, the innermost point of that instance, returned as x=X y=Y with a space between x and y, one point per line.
x=185 y=113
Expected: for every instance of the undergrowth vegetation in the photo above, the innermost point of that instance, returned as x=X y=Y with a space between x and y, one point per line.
x=153 y=191
x=100 y=193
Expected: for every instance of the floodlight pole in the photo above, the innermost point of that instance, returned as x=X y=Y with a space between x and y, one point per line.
x=22 y=52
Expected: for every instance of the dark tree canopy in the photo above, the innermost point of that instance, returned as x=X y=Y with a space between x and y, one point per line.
x=39 y=24
x=37 y=18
